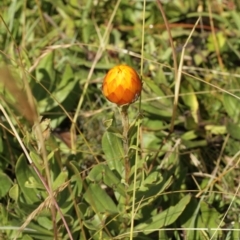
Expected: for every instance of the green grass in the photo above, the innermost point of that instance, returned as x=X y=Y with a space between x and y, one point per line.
x=62 y=175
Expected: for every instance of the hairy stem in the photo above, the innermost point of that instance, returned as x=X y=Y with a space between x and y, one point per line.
x=125 y=124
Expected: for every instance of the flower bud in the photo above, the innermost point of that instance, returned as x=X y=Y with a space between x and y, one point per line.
x=122 y=85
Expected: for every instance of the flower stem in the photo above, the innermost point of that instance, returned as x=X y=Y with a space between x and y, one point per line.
x=125 y=124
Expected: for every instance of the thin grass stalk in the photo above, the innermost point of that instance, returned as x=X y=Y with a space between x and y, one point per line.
x=215 y=40
x=174 y=55
x=41 y=16
x=138 y=126
x=171 y=229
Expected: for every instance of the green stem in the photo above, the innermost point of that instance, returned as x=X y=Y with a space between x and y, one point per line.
x=125 y=124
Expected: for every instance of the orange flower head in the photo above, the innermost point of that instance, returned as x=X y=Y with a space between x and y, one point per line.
x=122 y=85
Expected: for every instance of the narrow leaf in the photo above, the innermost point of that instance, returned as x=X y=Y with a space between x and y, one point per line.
x=113 y=150
x=165 y=218
x=99 y=199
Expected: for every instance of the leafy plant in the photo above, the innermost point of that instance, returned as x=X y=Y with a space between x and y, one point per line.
x=63 y=152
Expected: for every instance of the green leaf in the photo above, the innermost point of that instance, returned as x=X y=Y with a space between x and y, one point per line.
x=210 y=217
x=113 y=149
x=83 y=210
x=113 y=180
x=1 y=146
x=66 y=85
x=160 y=110
x=14 y=192
x=76 y=178
x=164 y=218
x=153 y=185
x=95 y=223
x=215 y=129
x=200 y=215
x=27 y=237
x=37 y=160
x=33 y=183
x=24 y=174
x=221 y=39
x=40 y=232
x=5 y=185
x=154 y=87
x=153 y=124
x=230 y=104
x=97 y=172
x=102 y=172
x=234 y=130
x=195 y=144
x=88 y=30
x=45 y=222
x=99 y=199
x=236 y=18
x=60 y=180
x=190 y=100
x=45 y=74
x=189 y=135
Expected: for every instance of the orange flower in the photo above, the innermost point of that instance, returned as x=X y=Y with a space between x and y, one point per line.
x=122 y=85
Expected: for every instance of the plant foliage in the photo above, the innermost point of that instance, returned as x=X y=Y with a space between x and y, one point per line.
x=62 y=160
